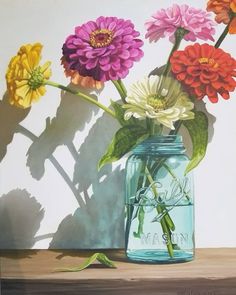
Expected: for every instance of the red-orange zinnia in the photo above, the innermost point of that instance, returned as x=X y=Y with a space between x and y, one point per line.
x=223 y=10
x=205 y=71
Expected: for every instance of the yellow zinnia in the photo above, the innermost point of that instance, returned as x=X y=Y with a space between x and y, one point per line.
x=25 y=77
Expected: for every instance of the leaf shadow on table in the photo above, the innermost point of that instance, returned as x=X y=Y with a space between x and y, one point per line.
x=100 y=223
x=10 y=117
x=20 y=217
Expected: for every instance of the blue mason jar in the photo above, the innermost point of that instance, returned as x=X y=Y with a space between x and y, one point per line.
x=159 y=225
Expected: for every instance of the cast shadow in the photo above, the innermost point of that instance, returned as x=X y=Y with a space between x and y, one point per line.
x=10 y=117
x=72 y=115
x=99 y=224
x=20 y=217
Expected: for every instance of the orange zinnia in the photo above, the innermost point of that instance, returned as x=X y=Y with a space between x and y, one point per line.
x=224 y=9
x=77 y=79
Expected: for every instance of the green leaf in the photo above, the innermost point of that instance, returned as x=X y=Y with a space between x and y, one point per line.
x=141 y=216
x=119 y=111
x=123 y=141
x=198 y=131
x=102 y=258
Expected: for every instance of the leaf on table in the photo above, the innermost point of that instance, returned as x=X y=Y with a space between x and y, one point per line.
x=198 y=131
x=102 y=258
x=124 y=140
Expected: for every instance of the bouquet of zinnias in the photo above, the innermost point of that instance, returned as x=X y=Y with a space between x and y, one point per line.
x=161 y=102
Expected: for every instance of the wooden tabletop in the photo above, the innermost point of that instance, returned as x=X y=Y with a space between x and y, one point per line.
x=213 y=272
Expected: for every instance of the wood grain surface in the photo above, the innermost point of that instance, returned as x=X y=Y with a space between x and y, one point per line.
x=213 y=272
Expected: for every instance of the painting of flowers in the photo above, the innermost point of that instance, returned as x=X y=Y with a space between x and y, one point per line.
x=82 y=92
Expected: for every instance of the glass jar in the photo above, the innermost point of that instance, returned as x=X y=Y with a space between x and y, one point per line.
x=159 y=202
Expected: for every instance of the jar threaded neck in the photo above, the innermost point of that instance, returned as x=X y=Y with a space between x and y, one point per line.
x=162 y=144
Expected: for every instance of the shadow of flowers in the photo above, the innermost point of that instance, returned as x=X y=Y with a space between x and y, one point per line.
x=20 y=217
x=72 y=115
x=100 y=223
x=10 y=117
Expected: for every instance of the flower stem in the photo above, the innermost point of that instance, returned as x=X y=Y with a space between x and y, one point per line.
x=179 y=34
x=150 y=126
x=121 y=89
x=224 y=34
x=82 y=95
x=177 y=181
x=164 y=220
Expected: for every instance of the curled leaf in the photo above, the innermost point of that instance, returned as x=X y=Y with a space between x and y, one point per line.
x=102 y=258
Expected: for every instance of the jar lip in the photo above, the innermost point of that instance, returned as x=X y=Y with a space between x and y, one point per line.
x=164 y=138
x=161 y=144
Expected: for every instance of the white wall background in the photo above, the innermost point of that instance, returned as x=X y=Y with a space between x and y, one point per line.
x=50 y=22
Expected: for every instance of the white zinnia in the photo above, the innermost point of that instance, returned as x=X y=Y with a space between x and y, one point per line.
x=173 y=104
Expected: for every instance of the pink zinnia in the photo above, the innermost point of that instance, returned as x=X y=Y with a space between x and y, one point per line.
x=104 y=49
x=165 y=22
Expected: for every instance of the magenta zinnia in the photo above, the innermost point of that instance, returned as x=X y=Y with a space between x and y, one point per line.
x=165 y=22
x=104 y=49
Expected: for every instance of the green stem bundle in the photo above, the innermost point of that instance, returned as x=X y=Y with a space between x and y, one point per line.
x=121 y=89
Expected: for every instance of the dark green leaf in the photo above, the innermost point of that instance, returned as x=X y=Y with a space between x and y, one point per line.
x=119 y=111
x=102 y=258
x=123 y=141
x=198 y=131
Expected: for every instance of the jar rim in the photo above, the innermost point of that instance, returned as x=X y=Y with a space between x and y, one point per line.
x=161 y=144
x=161 y=138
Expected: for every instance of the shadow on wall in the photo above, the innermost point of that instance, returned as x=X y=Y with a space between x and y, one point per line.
x=72 y=115
x=10 y=117
x=100 y=223
x=20 y=217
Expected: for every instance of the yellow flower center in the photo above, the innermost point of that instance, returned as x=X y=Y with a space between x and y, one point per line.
x=209 y=61
x=101 y=38
x=36 y=79
x=157 y=102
